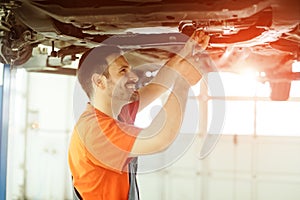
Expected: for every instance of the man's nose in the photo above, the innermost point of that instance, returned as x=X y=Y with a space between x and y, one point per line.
x=132 y=76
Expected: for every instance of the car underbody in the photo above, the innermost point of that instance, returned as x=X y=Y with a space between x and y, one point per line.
x=262 y=34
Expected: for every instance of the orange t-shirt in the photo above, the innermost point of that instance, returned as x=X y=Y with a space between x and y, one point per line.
x=98 y=154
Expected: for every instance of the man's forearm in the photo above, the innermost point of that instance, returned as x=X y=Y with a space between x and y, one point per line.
x=166 y=125
x=162 y=82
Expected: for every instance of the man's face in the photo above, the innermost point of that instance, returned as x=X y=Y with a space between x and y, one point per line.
x=121 y=83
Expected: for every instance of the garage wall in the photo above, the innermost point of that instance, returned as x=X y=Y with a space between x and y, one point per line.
x=256 y=158
x=41 y=123
x=239 y=168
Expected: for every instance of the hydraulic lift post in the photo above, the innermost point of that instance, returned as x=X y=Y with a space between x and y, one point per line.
x=4 y=120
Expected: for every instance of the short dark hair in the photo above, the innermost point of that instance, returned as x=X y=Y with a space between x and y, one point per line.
x=94 y=61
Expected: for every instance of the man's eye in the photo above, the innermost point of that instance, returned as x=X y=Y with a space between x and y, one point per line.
x=123 y=70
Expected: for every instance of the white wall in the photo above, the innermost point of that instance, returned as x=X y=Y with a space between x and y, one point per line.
x=38 y=148
x=239 y=168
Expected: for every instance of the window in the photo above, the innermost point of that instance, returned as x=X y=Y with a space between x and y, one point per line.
x=249 y=110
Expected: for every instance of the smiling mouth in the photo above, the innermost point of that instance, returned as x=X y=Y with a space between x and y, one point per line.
x=131 y=86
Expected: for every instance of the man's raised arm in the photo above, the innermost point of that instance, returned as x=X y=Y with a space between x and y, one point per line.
x=182 y=63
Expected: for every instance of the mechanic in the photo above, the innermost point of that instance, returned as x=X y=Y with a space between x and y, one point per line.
x=105 y=144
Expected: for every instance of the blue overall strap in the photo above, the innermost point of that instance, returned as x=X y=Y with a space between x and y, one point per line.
x=133 y=190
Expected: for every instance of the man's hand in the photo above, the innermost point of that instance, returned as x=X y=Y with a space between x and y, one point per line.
x=197 y=43
x=188 y=62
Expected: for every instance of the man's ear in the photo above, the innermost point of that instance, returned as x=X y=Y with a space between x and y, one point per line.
x=99 y=81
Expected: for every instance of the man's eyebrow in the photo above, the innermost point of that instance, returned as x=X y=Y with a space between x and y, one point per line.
x=124 y=67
